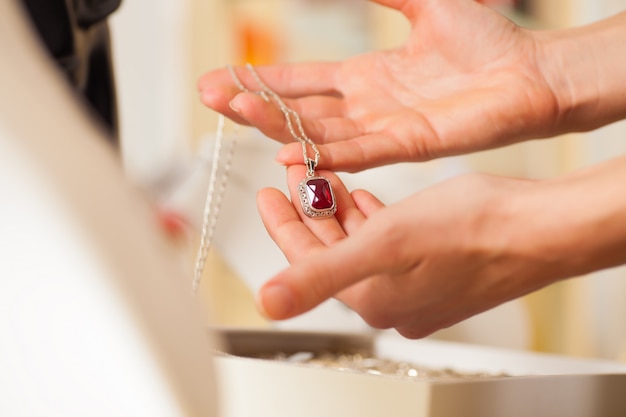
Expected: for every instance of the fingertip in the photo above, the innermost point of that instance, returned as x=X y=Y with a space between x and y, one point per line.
x=202 y=82
x=366 y=202
x=281 y=158
x=260 y=194
x=237 y=103
x=276 y=301
x=289 y=154
x=209 y=97
x=269 y=200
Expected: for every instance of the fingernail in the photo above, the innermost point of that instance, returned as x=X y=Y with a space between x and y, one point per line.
x=280 y=161
x=233 y=106
x=281 y=157
x=276 y=301
x=207 y=97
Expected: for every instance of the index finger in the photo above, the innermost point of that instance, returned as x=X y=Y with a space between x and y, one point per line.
x=287 y=80
x=319 y=276
x=359 y=153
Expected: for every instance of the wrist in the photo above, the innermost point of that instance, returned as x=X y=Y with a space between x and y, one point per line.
x=584 y=68
x=575 y=224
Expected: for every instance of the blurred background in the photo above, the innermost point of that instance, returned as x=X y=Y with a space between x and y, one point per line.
x=162 y=47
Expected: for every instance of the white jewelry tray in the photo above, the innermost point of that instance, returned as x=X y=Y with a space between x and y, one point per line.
x=537 y=385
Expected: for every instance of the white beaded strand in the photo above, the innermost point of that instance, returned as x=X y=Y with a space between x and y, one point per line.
x=213 y=202
x=216 y=191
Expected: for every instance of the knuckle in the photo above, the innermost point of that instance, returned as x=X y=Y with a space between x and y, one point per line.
x=417 y=327
x=377 y=322
x=378 y=318
x=413 y=332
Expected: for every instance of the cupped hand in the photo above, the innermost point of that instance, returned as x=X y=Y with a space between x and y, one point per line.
x=436 y=258
x=466 y=79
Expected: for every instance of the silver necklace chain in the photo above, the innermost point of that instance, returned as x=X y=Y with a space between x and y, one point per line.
x=214 y=200
x=291 y=117
x=216 y=191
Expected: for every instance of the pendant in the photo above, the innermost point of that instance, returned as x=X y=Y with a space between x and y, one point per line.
x=317 y=197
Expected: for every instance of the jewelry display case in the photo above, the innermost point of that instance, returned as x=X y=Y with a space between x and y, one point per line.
x=484 y=382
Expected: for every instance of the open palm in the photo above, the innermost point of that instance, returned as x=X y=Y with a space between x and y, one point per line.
x=467 y=79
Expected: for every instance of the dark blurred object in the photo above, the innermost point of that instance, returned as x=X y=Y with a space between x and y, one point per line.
x=76 y=34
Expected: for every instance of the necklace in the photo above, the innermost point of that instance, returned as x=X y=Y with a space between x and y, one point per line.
x=315 y=192
x=213 y=202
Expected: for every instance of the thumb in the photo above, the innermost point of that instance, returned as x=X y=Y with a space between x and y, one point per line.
x=316 y=278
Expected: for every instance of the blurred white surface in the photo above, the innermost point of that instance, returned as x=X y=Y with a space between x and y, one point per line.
x=68 y=345
x=152 y=58
x=92 y=319
x=537 y=385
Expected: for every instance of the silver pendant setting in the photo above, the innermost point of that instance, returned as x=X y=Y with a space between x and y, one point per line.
x=316 y=194
x=317 y=197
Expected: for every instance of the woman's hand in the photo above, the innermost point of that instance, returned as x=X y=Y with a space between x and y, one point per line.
x=446 y=253
x=432 y=260
x=466 y=79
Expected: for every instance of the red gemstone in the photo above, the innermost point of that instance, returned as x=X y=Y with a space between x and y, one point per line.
x=319 y=194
